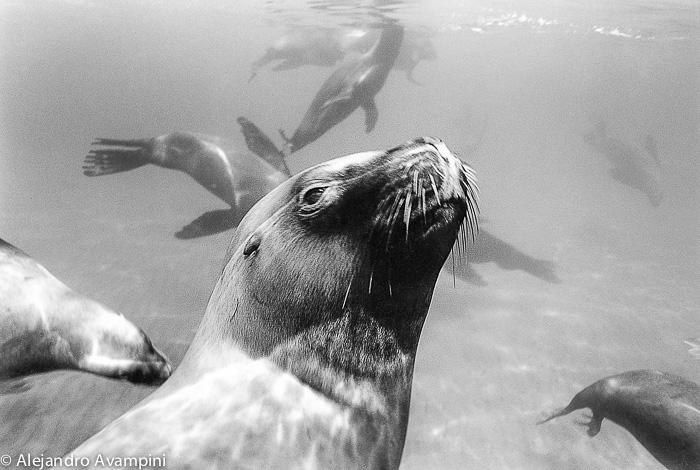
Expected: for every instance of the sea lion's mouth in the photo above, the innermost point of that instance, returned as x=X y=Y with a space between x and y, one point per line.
x=430 y=189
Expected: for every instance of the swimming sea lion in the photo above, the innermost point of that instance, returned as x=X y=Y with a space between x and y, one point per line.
x=354 y=84
x=628 y=164
x=45 y=326
x=312 y=46
x=239 y=179
x=487 y=248
x=661 y=410
x=304 y=357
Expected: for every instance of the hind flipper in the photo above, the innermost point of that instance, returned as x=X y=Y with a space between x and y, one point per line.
x=210 y=223
x=262 y=146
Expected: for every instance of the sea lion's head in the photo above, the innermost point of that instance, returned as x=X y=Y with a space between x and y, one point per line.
x=367 y=232
x=104 y=342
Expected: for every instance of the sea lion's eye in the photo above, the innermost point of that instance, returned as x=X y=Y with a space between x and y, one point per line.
x=313 y=195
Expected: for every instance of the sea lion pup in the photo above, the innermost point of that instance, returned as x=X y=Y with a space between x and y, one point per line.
x=661 y=410
x=304 y=357
x=239 y=179
x=45 y=326
x=629 y=166
x=353 y=85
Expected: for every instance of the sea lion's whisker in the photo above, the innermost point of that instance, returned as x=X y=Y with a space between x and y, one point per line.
x=422 y=196
x=435 y=190
x=437 y=170
x=407 y=212
x=347 y=292
x=392 y=218
x=454 y=278
x=415 y=181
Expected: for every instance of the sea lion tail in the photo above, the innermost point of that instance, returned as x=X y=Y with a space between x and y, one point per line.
x=120 y=155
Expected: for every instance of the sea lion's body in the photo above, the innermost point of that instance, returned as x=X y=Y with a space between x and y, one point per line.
x=304 y=357
x=237 y=178
x=326 y=47
x=629 y=166
x=353 y=85
x=661 y=410
x=45 y=326
x=313 y=46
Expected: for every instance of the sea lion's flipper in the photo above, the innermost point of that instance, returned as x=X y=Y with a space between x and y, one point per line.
x=371 y=114
x=594 y=424
x=262 y=146
x=555 y=414
x=124 y=156
x=289 y=64
x=409 y=73
x=211 y=222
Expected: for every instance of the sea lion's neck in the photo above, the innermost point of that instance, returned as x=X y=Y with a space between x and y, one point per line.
x=357 y=363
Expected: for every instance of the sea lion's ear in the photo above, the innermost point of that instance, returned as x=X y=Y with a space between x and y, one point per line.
x=251 y=245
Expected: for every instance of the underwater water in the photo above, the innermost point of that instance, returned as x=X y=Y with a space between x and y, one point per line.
x=583 y=278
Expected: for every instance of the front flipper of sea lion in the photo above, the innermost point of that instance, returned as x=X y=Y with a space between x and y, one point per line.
x=289 y=64
x=120 y=155
x=210 y=223
x=262 y=146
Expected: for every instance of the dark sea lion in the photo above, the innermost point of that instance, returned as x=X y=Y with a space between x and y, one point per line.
x=304 y=357
x=45 y=326
x=629 y=166
x=487 y=248
x=661 y=410
x=239 y=179
x=353 y=85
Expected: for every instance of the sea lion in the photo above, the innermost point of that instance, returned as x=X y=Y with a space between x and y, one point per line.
x=629 y=166
x=487 y=248
x=661 y=410
x=305 y=354
x=312 y=46
x=354 y=84
x=239 y=179
x=46 y=326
